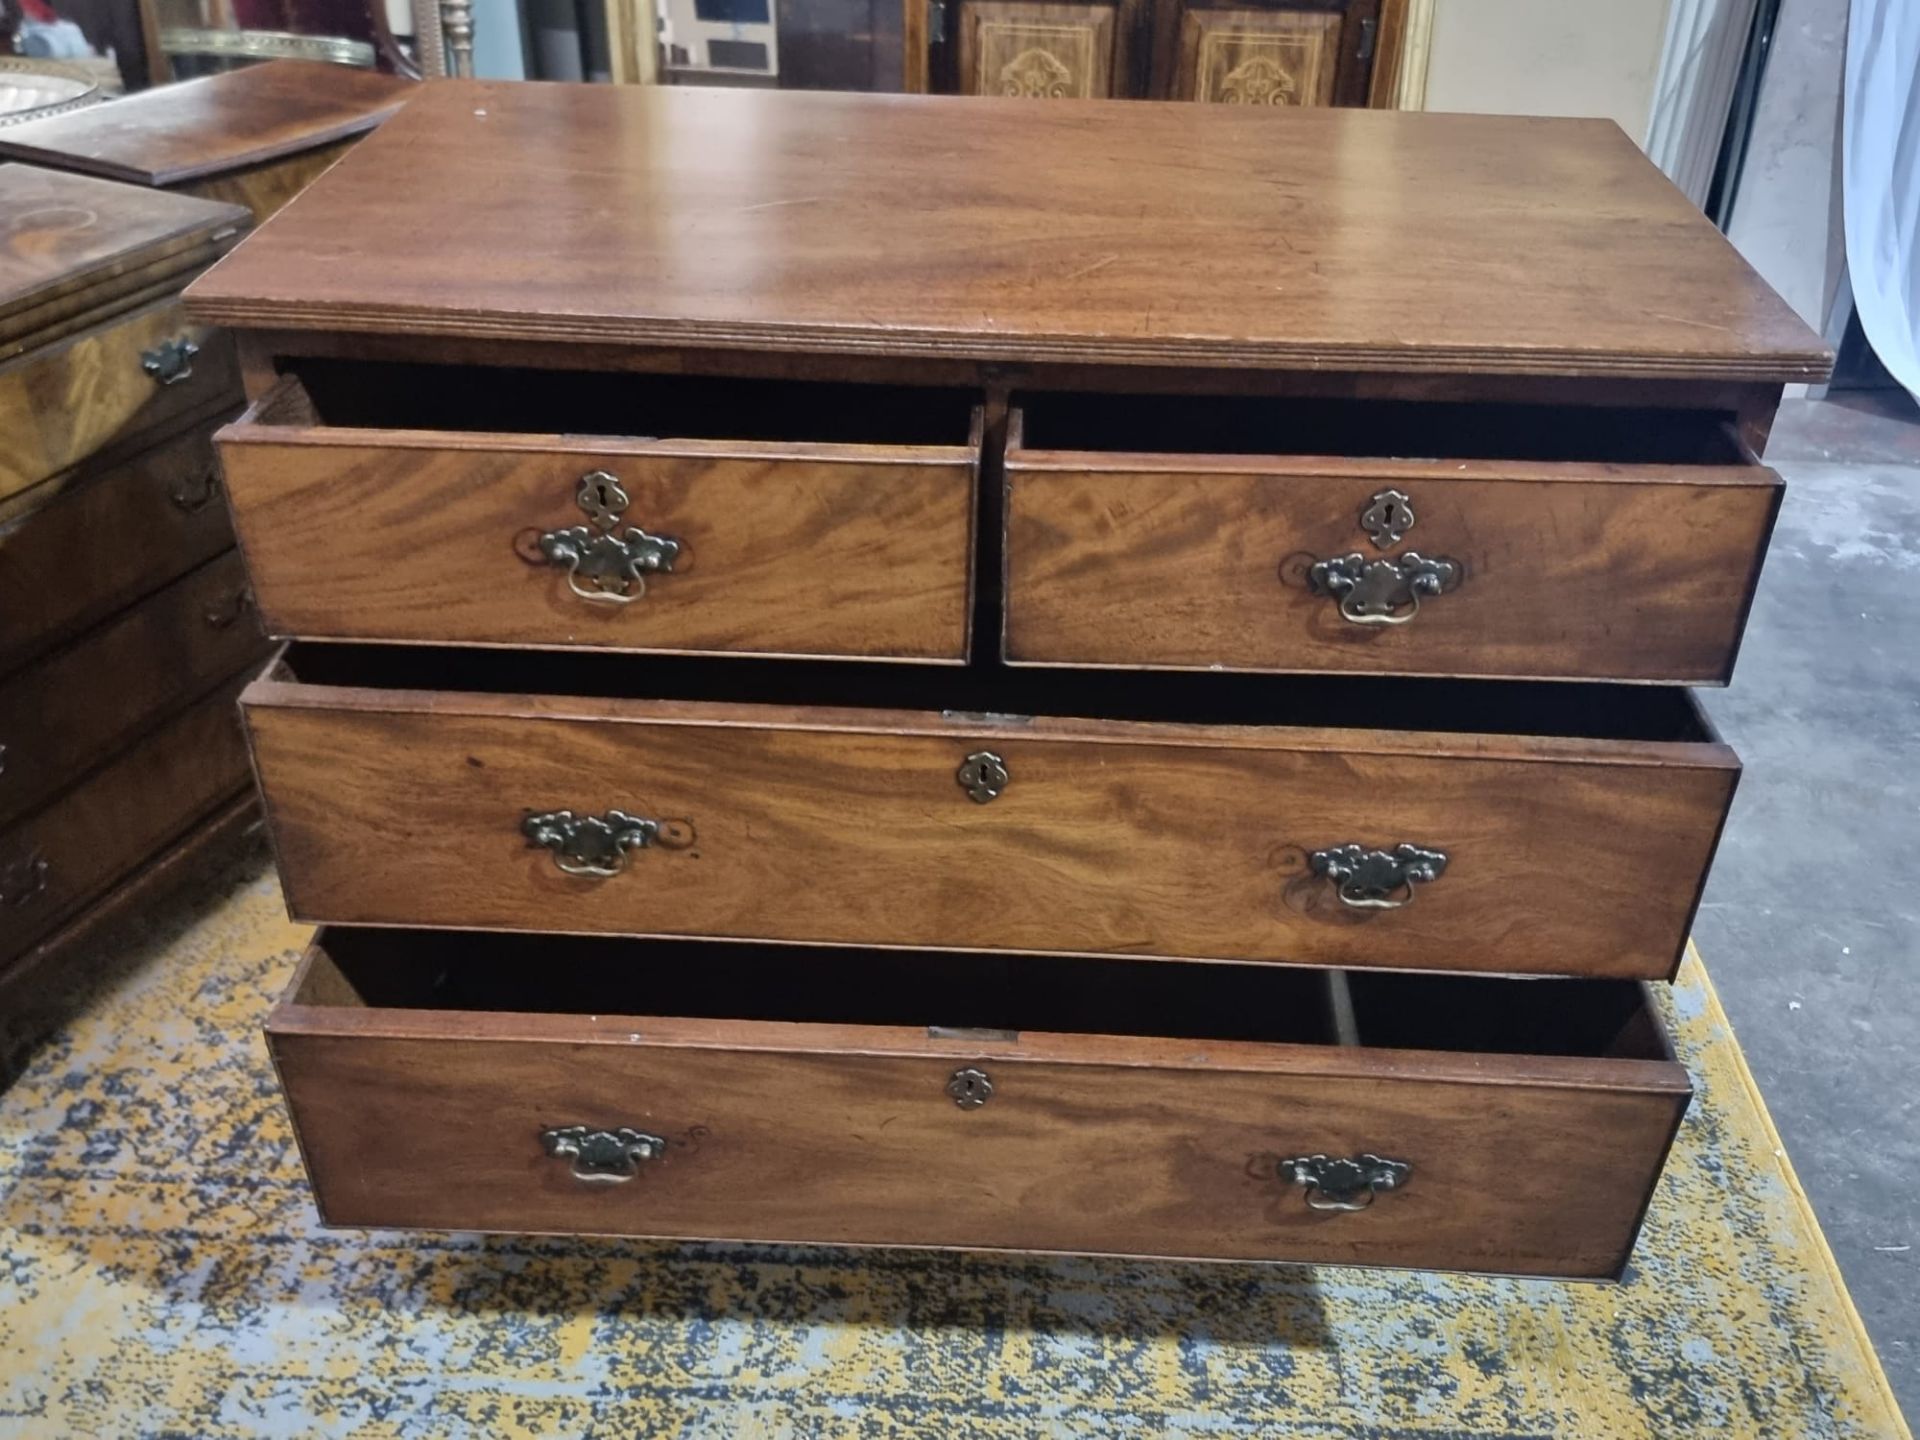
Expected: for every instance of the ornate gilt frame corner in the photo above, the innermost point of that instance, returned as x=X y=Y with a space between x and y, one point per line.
x=1400 y=66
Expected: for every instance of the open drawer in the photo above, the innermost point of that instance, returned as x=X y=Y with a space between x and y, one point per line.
x=1396 y=538
x=1432 y=825
x=514 y=507
x=675 y=1089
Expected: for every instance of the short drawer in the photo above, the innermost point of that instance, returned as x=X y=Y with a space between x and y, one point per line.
x=1539 y=542
x=416 y=508
x=1219 y=1112
x=80 y=844
x=61 y=716
x=74 y=553
x=103 y=386
x=1424 y=825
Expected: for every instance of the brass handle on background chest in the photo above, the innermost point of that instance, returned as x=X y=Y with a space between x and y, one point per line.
x=23 y=880
x=1344 y=1183
x=606 y=563
x=1378 y=879
x=171 y=361
x=598 y=845
x=196 y=493
x=1384 y=591
x=606 y=1157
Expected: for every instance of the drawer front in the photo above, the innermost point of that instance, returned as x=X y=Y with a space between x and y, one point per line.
x=66 y=713
x=101 y=543
x=1149 y=1146
x=1567 y=857
x=62 y=856
x=778 y=550
x=1508 y=569
x=104 y=386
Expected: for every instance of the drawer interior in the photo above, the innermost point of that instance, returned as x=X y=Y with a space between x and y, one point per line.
x=1379 y=429
x=938 y=991
x=398 y=396
x=1490 y=707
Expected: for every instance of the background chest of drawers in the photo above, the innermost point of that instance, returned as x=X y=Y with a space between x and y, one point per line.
x=254 y=137
x=792 y=673
x=125 y=619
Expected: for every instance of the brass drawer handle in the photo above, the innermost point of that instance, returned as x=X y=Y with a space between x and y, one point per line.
x=1345 y=1183
x=1378 y=879
x=1386 y=591
x=219 y=617
x=613 y=565
x=171 y=361
x=595 y=845
x=609 y=1157
x=197 y=493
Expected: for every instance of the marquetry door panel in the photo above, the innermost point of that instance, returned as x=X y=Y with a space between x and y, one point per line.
x=1258 y=57
x=1235 y=52
x=1037 y=51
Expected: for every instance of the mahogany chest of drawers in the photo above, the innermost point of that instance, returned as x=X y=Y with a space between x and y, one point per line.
x=124 y=610
x=1102 y=678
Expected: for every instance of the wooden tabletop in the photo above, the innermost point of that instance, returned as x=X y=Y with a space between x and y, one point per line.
x=69 y=244
x=175 y=133
x=1010 y=231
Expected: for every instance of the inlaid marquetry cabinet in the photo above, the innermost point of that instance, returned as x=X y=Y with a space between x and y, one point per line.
x=1235 y=52
x=868 y=694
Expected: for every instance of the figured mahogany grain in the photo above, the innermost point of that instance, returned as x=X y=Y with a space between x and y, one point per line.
x=1123 y=233
x=794 y=549
x=1105 y=1144
x=1568 y=856
x=1577 y=571
x=265 y=188
x=61 y=404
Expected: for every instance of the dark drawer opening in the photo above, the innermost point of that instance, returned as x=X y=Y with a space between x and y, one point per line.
x=1376 y=429
x=395 y=396
x=1485 y=707
x=686 y=979
x=1504 y=1017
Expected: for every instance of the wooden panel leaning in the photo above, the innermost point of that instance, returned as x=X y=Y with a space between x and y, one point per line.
x=785 y=547
x=1342 y=842
x=1160 y=1119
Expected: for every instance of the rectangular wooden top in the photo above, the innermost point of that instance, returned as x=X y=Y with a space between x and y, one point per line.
x=1010 y=231
x=72 y=245
x=175 y=133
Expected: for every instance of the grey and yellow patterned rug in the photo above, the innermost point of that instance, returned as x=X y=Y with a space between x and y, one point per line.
x=162 y=1274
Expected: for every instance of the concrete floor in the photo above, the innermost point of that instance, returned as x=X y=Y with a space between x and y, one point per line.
x=1811 y=922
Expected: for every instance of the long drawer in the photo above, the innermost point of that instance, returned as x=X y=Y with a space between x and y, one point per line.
x=73 y=554
x=419 y=513
x=62 y=715
x=1408 y=824
x=133 y=374
x=1565 y=544
x=605 y=1087
x=110 y=823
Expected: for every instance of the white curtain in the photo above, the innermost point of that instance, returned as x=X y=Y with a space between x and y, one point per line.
x=1881 y=174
